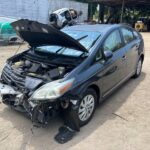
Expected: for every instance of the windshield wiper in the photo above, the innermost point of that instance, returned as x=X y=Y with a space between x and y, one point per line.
x=94 y=42
x=59 y=50
x=84 y=54
x=81 y=38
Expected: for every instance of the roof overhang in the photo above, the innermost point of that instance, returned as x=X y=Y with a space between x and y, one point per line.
x=119 y=2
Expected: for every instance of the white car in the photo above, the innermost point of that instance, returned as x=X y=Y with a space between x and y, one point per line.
x=62 y=17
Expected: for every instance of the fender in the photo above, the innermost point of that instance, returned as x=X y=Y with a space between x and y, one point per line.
x=83 y=87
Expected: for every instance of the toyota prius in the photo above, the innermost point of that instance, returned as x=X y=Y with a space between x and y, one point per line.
x=70 y=71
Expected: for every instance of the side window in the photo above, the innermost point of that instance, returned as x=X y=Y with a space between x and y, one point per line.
x=127 y=35
x=113 y=42
x=98 y=56
x=67 y=15
x=62 y=14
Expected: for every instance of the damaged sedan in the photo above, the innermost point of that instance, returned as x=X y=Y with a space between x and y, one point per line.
x=69 y=72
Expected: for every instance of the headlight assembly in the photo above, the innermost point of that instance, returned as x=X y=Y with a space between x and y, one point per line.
x=52 y=90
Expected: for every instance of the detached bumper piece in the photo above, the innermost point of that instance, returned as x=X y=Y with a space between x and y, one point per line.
x=64 y=135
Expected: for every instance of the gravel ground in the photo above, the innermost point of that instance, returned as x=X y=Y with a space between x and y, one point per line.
x=122 y=122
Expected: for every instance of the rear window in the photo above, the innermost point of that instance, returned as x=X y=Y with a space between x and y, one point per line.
x=127 y=35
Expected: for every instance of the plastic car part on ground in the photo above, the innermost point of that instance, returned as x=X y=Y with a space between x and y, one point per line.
x=64 y=135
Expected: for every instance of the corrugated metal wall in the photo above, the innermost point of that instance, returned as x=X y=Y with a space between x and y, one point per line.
x=31 y=9
x=37 y=9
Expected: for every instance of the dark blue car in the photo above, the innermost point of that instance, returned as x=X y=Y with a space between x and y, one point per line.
x=69 y=71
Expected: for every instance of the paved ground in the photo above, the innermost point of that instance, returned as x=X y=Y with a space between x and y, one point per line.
x=106 y=131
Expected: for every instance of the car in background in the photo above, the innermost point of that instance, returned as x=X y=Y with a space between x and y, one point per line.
x=64 y=17
x=69 y=71
x=7 y=33
x=143 y=24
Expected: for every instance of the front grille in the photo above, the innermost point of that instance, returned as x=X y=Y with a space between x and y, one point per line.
x=13 y=77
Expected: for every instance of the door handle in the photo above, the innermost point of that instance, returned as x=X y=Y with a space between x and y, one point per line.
x=124 y=57
x=137 y=46
x=111 y=70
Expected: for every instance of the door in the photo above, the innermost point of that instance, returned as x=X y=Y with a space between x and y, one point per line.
x=114 y=68
x=132 y=45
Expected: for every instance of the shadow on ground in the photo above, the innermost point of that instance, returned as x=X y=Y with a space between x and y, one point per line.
x=42 y=138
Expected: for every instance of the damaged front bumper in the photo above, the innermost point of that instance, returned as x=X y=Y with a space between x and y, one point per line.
x=5 y=89
x=38 y=112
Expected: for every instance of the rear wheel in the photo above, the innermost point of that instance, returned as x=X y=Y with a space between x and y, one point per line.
x=87 y=107
x=138 y=68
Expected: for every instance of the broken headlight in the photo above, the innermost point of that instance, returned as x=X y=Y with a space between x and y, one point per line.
x=52 y=90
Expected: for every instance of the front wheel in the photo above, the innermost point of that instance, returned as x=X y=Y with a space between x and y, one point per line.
x=87 y=107
x=138 y=68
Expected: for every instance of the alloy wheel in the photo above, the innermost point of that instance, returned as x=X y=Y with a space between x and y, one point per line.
x=86 y=107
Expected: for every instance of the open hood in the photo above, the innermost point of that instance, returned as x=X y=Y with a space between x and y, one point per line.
x=37 y=34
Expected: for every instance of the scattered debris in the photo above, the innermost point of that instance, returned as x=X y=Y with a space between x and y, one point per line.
x=4 y=138
x=120 y=116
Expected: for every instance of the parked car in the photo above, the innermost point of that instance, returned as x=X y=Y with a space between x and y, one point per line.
x=69 y=71
x=143 y=24
x=64 y=17
x=7 y=33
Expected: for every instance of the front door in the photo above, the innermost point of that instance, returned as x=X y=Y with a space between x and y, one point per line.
x=114 y=68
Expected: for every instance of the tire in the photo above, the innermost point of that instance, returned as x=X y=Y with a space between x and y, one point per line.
x=87 y=106
x=138 y=68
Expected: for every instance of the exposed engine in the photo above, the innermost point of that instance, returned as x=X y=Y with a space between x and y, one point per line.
x=28 y=75
x=38 y=70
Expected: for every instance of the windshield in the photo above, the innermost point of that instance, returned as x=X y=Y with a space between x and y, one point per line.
x=86 y=38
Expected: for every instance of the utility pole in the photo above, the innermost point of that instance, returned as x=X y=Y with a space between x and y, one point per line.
x=122 y=11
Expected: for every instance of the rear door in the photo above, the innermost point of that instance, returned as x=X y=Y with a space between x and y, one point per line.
x=132 y=44
x=114 y=68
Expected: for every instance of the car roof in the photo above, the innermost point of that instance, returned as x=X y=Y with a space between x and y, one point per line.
x=59 y=11
x=7 y=19
x=102 y=28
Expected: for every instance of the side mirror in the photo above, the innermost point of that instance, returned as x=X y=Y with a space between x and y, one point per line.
x=108 y=54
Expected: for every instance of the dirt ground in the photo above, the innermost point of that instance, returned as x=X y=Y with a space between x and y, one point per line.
x=122 y=122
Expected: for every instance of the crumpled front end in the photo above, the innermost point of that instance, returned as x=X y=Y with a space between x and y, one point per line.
x=21 y=77
x=39 y=112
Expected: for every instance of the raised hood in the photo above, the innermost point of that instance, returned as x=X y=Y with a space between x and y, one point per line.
x=37 y=34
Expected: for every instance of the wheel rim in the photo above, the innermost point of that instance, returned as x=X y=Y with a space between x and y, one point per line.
x=86 y=107
x=139 y=67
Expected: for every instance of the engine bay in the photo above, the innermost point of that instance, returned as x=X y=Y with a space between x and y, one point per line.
x=38 y=70
x=28 y=74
